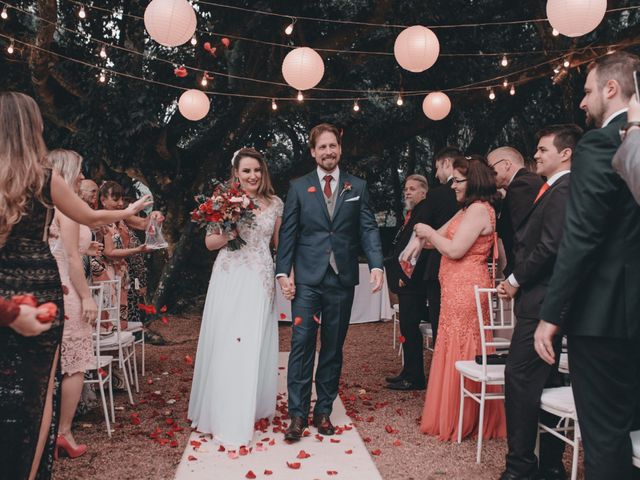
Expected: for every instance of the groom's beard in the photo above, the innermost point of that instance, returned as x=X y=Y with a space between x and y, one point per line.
x=409 y=204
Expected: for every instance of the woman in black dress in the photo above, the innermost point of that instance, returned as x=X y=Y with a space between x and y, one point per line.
x=29 y=366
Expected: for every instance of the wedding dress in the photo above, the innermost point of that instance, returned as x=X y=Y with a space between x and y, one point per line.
x=236 y=367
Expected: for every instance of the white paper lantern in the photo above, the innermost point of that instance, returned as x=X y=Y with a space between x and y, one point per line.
x=170 y=22
x=436 y=105
x=574 y=18
x=194 y=105
x=303 y=68
x=416 y=48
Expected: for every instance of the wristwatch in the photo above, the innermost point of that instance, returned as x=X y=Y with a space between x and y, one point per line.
x=626 y=127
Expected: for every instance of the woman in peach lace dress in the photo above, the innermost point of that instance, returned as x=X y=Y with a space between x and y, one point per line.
x=465 y=242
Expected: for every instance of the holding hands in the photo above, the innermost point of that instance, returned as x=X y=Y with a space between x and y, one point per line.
x=288 y=286
x=506 y=291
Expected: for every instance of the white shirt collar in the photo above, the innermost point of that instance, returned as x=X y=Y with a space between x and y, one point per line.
x=551 y=180
x=321 y=174
x=449 y=179
x=614 y=115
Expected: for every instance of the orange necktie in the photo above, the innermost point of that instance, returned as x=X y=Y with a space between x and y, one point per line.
x=407 y=218
x=543 y=188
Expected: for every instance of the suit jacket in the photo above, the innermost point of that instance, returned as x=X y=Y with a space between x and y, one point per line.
x=627 y=163
x=308 y=235
x=516 y=204
x=536 y=244
x=596 y=279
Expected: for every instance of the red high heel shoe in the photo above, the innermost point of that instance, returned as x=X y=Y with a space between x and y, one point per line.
x=63 y=444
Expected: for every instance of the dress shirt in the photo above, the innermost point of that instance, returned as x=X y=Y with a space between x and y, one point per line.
x=335 y=178
x=552 y=179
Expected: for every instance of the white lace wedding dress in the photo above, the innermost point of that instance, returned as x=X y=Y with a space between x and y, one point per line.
x=236 y=368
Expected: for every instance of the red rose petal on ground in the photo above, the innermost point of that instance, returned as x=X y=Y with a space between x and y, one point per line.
x=243 y=450
x=250 y=474
x=388 y=428
x=267 y=472
x=135 y=420
x=332 y=472
x=366 y=439
x=335 y=440
x=191 y=458
x=169 y=421
x=173 y=444
x=221 y=448
x=165 y=320
x=397 y=442
x=163 y=309
x=348 y=452
x=164 y=358
x=293 y=465
x=297 y=321
x=401 y=339
x=377 y=451
x=188 y=359
x=272 y=442
x=302 y=454
x=319 y=437
x=195 y=443
x=283 y=316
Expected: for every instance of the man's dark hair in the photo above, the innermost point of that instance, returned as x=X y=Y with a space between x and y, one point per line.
x=565 y=135
x=618 y=66
x=447 y=152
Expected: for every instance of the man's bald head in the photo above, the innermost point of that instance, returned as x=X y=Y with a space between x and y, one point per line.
x=505 y=161
x=89 y=192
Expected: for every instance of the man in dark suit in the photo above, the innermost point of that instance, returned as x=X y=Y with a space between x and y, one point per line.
x=537 y=239
x=521 y=188
x=593 y=293
x=327 y=217
x=408 y=283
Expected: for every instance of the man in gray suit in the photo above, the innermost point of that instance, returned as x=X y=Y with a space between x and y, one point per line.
x=627 y=159
x=327 y=217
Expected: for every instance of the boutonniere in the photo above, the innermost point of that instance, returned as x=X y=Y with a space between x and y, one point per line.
x=311 y=189
x=346 y=187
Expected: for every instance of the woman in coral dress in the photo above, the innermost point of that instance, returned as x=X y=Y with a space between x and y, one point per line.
x=465 y=242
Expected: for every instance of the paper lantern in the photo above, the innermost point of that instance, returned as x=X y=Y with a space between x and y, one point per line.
x=574 y=18
x=303 y=68
x=170 y=22
x=194 y=104
x=436 y=105
x=416 y=48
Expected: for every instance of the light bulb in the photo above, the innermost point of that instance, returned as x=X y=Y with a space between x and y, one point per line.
x=194 y=41
x=82 y=13
x=203 y=82
x=103 y=52
x=356 y=107
x=289 y=29
x=399 y=102
x=4 y=13
x=10 y=48
x=513 y=90
x=505 y=61
x=505 y=83
x=555 y=32
x=556 y=70
x=300 y=97
x=103 y=77
x=566 y=64
x=610 y=51
x=492 y=95
x=274 y=105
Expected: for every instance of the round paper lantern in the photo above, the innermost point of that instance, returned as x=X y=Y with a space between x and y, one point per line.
x=194 y=104
x=574 y=18
x=170 y=22
x=416 y=48
x=436 y=105
x=303 y=68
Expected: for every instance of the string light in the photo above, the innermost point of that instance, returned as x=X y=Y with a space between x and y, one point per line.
x=512 y=92
x=356 y=107
x=555 y=32
x=4 y=13
x=610 y=51
x=556 y=70
x=82 y=14
x=505 y=83
x=204 y=82
x=10 y=48
x=103 y=76
x=399 y=101
x=492 y=94
x=300 y=97
x=505 y=61
x=194 y=41
x=103 y=52
x=289 y=29
x=274 y=105
x=566 y=63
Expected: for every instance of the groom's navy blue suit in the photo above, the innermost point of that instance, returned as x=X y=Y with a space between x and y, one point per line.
x=308 y=236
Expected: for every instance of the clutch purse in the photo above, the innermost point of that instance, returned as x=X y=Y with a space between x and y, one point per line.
x=493 y=359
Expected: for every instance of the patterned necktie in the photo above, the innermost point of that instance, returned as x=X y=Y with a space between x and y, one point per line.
x=327 y=185
x=543 y=188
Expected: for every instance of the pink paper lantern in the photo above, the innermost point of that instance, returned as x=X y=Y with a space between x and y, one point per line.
x=436 y=105
x=170 y=22
x=574 y=18
x=194 y=105
x=416 y=48
x=303 y=68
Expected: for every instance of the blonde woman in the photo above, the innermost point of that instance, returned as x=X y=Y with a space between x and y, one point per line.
x=69 y=241
x=28 y=365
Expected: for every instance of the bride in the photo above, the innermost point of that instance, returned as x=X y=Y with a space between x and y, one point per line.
x=235 y=378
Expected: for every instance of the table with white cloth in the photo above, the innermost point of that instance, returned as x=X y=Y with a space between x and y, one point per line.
x=367 y=306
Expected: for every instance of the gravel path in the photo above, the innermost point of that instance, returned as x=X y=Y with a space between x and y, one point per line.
x=161 y=410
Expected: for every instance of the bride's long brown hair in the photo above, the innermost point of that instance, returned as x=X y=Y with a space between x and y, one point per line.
x=22 y=157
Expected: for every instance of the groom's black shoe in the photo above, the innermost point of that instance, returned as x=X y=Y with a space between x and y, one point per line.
x=395 y=379
x=295 y=430
x=406 y=385
x=322 y=422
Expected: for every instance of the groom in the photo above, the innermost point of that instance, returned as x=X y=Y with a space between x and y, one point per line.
x=326 y=216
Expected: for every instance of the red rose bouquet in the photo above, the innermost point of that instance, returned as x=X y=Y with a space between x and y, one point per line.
x=222 y=212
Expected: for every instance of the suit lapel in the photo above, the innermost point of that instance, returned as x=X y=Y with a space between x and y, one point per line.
x=341 y=193
x=560 y=181
x=318 y=193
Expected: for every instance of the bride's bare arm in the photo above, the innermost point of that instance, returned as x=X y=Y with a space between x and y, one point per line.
x=215 y=241
x=276 y=231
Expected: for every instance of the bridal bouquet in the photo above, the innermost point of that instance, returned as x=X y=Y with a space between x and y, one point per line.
x=222 y=212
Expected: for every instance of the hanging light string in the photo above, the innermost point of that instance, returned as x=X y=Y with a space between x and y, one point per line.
x=407 y=93
x=333 y=50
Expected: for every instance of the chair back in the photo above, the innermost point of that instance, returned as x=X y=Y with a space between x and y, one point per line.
x=500 y=318
x=111 y=305
x=97 y=292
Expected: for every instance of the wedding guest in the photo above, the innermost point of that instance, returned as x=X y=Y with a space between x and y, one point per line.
x=465 y=243
x=22 y=318
x=410 y=288
x=593 y=293
x=89 y=192
x=627 y=159
x=521 y=188
x=536 y=245
x=28 y=365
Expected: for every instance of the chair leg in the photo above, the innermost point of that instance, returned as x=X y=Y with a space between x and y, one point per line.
x=143 y=362
x=461 y=413
x=104 y=405
x=135 y=366
x=483 y=389
x=576 y=450
x=123 y=368
x=113 y=411
x=394 y=331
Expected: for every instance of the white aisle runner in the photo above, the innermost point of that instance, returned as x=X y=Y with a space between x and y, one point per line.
x=345 y=457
